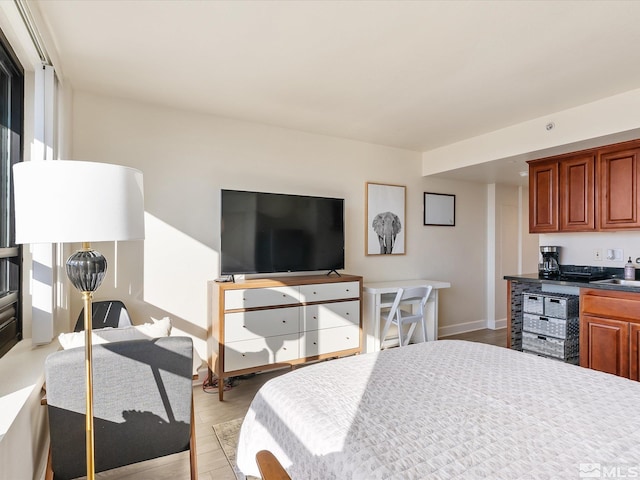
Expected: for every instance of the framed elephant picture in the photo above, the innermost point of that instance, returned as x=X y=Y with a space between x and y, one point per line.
x=385 y=215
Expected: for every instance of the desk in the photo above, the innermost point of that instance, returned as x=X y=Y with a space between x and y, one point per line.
x=380 y=295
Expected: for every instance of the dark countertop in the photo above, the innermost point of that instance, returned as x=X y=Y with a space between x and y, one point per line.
x=533 y=278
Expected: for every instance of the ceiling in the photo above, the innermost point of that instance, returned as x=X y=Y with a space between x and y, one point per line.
x=410 y=74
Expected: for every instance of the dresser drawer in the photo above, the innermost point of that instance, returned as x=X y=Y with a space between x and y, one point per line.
x=260 y=297
x=329 y=340
x=329 y=291
x=261 y=323
x=260 y=351
x=330 y=315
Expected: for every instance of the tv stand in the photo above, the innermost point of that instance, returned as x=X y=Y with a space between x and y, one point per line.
x=269 y=323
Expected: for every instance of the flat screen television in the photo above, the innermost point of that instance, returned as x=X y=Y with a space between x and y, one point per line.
x=273 y=232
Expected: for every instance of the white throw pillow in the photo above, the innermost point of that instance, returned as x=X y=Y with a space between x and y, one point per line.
x=157 y=329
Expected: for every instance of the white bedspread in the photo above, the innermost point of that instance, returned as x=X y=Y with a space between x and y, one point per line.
x=441 y=410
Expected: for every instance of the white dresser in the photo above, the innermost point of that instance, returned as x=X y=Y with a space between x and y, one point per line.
x=269 y=323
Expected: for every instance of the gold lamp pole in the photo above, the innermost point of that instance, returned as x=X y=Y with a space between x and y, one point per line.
x=86 y=269
x=60 y=201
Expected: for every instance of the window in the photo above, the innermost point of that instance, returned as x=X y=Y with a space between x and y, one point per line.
x=11 y=104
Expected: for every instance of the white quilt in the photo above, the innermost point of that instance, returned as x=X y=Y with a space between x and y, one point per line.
x=442 y=410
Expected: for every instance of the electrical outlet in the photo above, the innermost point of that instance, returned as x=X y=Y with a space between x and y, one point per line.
x=597 y=254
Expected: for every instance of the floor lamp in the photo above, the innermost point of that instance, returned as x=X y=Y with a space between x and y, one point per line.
x=59 y=201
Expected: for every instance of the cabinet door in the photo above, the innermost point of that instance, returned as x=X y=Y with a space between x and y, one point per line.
x=618 y=190
x=604 y=345
x=543 y=197
x=577 y=193
x=634 y=352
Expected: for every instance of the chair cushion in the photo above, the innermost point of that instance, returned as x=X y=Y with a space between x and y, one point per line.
x=157 y=329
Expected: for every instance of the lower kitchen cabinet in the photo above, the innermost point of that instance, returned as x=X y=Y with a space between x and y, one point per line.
x=610 y=331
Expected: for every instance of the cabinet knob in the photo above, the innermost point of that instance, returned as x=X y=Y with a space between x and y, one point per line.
x=284 y=321
x=284 y=348
x=244 y=326
x=314 y=343
x=347 y=313
x=315 y=317
x=314 y=293
x=347 y=289
x=348 y=338
x=243 y=355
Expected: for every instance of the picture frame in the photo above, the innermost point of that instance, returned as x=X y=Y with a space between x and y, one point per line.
x=385 y=213
x=439 y=209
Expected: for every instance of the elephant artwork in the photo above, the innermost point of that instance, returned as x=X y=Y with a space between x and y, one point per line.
x=387 y=225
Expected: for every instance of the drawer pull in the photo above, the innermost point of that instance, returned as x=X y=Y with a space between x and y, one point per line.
x=284 y=348
x=541 y=337
x=554 y=300
x=243 y=355
x=314 y=293
x=347 y=313
x=244 y=326
x=284 y=321
x=315 y=343
x=315 y=317
x=348 y=338
x=347 y=289
x=544 y=319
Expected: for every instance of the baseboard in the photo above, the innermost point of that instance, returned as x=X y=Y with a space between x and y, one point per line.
x=497 y=324
x=461 y=328
x=471 y=327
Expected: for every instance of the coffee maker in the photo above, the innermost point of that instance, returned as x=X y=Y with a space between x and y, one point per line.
x=550 y=265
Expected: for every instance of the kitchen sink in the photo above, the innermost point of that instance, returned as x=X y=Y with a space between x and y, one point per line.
x=618 y=281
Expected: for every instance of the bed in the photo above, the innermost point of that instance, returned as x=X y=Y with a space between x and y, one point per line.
x=442 y=410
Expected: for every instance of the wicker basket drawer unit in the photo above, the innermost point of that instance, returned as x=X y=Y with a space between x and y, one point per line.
x=549 y=346
x=533 y=303
x=562 y=328
x=561 y=306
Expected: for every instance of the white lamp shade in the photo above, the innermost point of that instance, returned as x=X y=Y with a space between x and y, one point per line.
x=61 y=201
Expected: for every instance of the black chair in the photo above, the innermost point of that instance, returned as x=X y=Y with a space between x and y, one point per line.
x=108 y=313
x=142 y=404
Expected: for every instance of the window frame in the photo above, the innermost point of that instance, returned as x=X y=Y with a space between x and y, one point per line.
x=11 y=324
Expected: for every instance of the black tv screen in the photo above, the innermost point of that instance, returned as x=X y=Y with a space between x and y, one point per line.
x=272 y=232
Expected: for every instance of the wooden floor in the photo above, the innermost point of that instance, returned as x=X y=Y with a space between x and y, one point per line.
x=212 y=464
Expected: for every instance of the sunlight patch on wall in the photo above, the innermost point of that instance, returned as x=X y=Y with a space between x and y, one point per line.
x=176 y=271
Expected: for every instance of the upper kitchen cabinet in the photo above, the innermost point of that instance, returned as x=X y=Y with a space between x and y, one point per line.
x=618 y=188
x=591 y=190
x=577 y=193
x=543 y=196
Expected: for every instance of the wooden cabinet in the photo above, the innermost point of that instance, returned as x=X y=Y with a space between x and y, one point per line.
x=577 y=193
x=618 y=186
x=543 y=197
x=270 y=323
x=592 y=190
x=610 y=331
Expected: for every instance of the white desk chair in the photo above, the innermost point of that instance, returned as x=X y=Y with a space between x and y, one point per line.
x=417 y=299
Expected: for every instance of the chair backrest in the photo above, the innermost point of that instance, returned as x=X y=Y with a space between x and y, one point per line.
x=107 y=313
x=416 y=295
x=142 y=399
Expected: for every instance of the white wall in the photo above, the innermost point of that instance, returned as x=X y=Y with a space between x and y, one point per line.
x=187 y=158
x=577 y=248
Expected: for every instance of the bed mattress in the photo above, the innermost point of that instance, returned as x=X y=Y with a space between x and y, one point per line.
x=444 y=410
